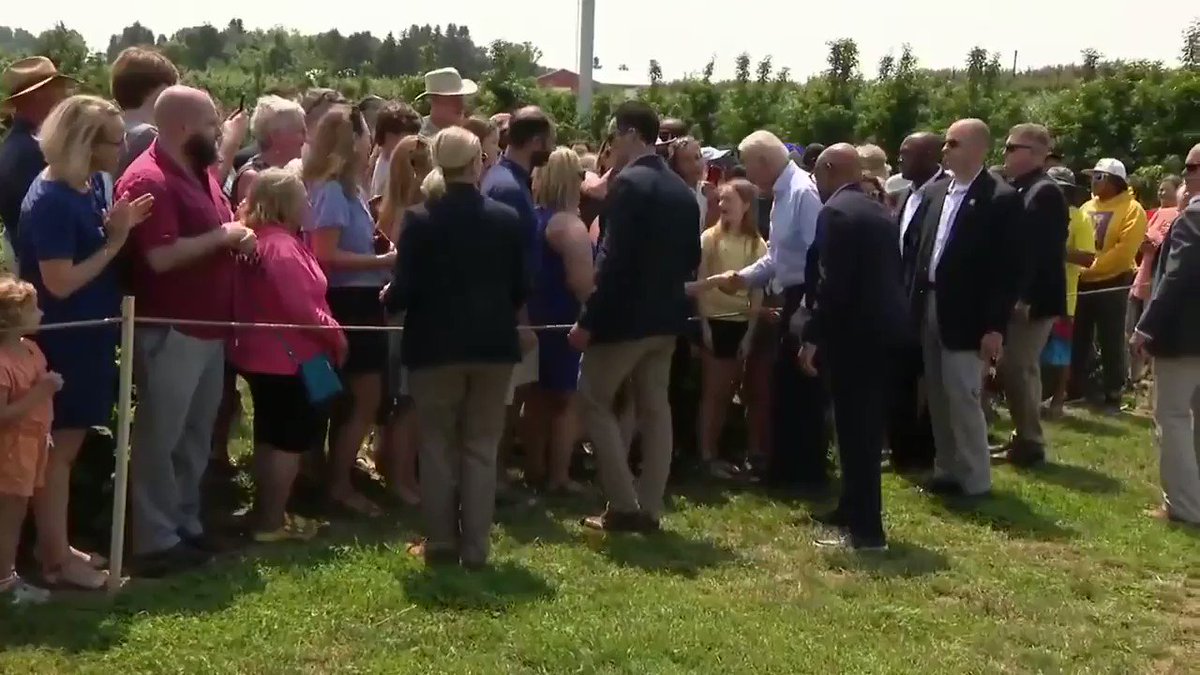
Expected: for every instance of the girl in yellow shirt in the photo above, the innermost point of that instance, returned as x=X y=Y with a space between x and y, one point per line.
x=729 y=319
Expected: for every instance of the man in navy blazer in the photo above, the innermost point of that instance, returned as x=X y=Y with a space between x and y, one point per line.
x=859 y=323
x=965 y=289
x=628 y=326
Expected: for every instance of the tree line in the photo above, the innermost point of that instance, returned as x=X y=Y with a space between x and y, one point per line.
x=1141 y=112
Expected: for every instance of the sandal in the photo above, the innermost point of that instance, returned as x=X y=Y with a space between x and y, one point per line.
x=16 y=591
x=75 y=574
x=294 y=528
x=93 y=560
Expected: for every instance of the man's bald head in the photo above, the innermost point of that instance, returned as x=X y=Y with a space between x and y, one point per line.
x=836 y=167
x=1191 y=175
x=967 y=144
x=188 y=124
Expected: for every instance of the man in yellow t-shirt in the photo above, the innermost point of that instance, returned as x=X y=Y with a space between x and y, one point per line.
x=1081 y=252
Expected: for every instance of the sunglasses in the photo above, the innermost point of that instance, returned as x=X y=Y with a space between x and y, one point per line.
x=1191 y=168
x=1013 y=147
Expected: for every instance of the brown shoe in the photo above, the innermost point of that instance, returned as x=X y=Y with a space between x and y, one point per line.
x=617 y=521
x=433 y=557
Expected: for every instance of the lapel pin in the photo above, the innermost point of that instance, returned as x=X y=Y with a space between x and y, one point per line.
x=971 y=203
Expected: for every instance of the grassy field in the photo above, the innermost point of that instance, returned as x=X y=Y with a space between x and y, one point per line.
x=1060 y=572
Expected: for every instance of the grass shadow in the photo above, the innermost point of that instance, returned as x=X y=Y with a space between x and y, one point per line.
x=496 y=588
x=1093 y=425
x=902 y=560
x=663 y=552
x=1006 y=512
x=1074 y=477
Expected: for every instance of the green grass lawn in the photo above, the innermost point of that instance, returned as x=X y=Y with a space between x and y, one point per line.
x=1060 y=572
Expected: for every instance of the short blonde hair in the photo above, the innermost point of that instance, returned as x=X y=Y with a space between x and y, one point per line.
x=765 y=144
x=277 y=196
x=15 y=297
x=270 y=114
x=456 y=153
x=558 y=181
x=71 y=132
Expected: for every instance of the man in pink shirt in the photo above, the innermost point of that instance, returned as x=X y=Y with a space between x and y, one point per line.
x=182 y=265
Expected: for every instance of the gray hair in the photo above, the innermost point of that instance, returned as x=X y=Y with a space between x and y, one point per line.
x=271 y=113
x=764 y=144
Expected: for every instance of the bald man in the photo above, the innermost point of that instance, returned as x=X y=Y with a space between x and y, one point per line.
x=859 y=320
x=910 y=432
x=182 y=267
x=965 y=288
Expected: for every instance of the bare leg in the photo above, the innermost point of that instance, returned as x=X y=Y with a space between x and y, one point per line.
x=399 y=465
x=276 y=472
x=535 y=432
x=61 y=563
x=564 y=432
x=12 y=517
x=348 y=436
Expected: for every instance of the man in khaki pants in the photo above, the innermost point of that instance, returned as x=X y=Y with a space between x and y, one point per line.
x=628 y=326
x=1041 y=230
x=1169 y=330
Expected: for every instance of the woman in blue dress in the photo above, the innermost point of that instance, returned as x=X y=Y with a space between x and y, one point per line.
x=68 y=240
x=566 y=277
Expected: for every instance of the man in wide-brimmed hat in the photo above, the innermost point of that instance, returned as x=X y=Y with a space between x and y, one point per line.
x=447 y=92
x=31 y=88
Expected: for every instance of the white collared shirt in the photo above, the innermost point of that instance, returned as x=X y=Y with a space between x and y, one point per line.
x=915 y=197
x=955 y=195
x=793 y=229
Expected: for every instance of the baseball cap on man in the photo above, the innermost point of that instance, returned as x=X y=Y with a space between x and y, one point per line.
x=1111 y=167
x=1062 y=175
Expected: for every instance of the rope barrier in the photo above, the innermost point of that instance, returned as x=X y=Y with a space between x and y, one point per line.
x=161 y=321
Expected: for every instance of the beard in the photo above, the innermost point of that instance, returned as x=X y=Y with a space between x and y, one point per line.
x=201 y=150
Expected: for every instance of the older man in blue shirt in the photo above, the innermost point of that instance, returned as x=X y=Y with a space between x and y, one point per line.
x=799 y=435
x=32 y=87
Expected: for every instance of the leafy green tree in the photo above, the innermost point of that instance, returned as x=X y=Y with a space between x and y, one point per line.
x=891 y=106
x=65 y=47
x=132 y=35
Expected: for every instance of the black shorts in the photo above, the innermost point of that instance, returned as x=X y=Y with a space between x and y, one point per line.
x=360 y=306
x=726 y=337
x=283 y=416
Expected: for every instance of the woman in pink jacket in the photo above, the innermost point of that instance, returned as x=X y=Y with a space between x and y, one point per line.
x=290 y=370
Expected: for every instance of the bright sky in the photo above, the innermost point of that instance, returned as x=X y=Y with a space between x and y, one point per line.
x=684 y=34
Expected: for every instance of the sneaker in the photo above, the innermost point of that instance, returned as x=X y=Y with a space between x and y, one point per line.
x=17 y=592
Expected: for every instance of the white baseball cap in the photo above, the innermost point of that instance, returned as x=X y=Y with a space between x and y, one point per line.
x=1111 y=167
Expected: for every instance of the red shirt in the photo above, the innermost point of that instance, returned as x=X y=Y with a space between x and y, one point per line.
x=185 y=205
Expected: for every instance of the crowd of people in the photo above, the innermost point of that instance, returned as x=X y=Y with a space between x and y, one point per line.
x=442 y=284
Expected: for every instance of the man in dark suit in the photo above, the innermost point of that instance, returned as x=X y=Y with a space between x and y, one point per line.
x=859 y=318
x=1169 y=330
x=1041 y=237
x=965 y=291
x=628 y=326
x=910 y=431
